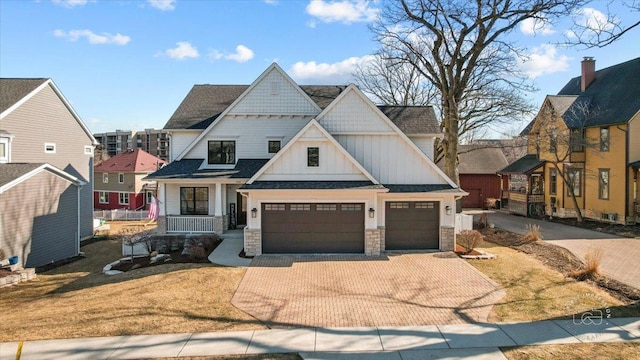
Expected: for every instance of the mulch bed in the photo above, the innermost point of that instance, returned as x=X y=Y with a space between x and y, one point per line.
x=5 y=272
x=176 y=258
x=461 y=250
x=561 y=260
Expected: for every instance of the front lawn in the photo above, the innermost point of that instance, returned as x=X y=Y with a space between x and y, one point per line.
x=537 y=292
x=78 y=300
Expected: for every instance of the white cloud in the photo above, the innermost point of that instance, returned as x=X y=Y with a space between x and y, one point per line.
x=544 y=59
x=271 y=2
x=72 y=3
x=182 y=51
x=93 y=38
x=242 y=54
x=533 y=26
x=345 y=11
x=595 y=20
x=164 y=5
x=325 y=73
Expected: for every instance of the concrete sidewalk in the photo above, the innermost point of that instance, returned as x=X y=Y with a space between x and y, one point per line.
x=474 y=341
x=227 y=252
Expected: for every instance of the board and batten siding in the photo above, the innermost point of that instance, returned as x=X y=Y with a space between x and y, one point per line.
x=44 y=228
x=390 y=159
x=180 y=140
x=45 y=119
x=333 y=164
x=425 y=144
x=274 y=95
x=251 y=135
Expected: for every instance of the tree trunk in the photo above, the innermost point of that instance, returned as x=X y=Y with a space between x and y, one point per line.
x=450 y=140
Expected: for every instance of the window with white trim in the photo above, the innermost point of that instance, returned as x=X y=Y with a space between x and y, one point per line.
x=149 y=194
x=4 y=150
x=123 y=198
x=49 y=148
x=88 y=150
x=105 y=178
x=103 y=197
x=121 y=178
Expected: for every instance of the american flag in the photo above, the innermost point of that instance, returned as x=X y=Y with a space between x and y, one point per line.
x=153 y=209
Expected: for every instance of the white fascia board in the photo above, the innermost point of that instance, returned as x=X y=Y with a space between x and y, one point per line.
x=273 y=66
x=208 y=181
x=404 y=136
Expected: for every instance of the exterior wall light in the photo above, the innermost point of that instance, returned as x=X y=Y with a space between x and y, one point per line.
x=254 y=213
x=447 y=210
x=372 y=213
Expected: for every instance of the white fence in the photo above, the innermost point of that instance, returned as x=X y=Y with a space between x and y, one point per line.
x=464 y=222
x=188 y=224
x=121 y=215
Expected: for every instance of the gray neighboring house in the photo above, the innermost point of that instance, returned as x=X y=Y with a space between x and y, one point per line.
x=46 y=177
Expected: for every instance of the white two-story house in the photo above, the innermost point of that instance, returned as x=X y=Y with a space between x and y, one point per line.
x=305 y=169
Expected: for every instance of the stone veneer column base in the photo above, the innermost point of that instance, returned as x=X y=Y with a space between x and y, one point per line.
x=383 y=237
x=226 y=222
x=447 y=238
x=218 y=224
x=252 y=242
x=372 y=242
x=162 y=225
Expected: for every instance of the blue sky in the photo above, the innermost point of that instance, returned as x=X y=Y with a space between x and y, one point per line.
x=129 y=64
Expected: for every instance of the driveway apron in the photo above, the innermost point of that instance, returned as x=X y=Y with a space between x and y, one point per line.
x=392 y=290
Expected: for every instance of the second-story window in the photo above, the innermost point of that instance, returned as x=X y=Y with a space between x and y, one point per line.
x=577 y=140
x=222 y=152
x=121 y=178
x=274 y=146
x=313 y=156
x=553 y=181
x=105 y=178
x=604 y=139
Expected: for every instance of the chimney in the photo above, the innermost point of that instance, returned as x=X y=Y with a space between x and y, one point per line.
x=588 y=72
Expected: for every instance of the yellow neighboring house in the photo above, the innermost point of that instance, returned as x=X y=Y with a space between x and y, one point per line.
x=585 y=141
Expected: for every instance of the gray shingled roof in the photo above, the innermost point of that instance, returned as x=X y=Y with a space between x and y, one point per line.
x=413 y=119
x=316 y=185
x=635 y=164
x=560 y=104
x=524 y=165
x=188 y=169
x=12 y=171
x=13 y=90
x=204 y=103
x=612 y=98
x=479 y=159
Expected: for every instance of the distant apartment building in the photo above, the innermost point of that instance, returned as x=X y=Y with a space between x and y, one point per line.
x=155 y=142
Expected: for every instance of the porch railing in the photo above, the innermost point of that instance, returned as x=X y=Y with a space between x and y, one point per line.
x=188 y=224
x=120 y=215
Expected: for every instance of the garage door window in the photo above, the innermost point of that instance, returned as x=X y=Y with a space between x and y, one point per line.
x=326 y=207
x=425 y=205
x=351 y=207
x=399 y=205
x=274 y=207
x=194 y=201
x=300 y=207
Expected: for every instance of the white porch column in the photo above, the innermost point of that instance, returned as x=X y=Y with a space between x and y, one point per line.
x=217 y=211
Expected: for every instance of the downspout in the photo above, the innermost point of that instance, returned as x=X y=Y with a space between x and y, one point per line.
x=78 y=223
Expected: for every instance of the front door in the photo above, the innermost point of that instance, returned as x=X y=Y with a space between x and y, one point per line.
x=242 y=209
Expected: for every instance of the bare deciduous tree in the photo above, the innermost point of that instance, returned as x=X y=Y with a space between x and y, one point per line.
x=589 y=30
x=461 y=49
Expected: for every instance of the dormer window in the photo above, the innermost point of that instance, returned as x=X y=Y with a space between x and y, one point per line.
x=313 y=156
x=222 y=152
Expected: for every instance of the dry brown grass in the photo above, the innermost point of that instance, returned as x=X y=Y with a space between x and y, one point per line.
x=534 y=291
x=533 y=233
x=77 y=300
x=610 y=351
x=591 y=269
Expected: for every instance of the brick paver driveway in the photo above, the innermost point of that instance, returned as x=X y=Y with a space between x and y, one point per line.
x=393 y=290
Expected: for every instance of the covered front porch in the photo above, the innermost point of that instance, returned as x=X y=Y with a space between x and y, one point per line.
x=201 y=207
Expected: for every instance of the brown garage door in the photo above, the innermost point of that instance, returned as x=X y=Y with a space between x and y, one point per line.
x=412 y=225
x=312 y=228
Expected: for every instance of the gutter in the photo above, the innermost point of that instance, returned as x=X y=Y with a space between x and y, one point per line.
x=78 y=224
